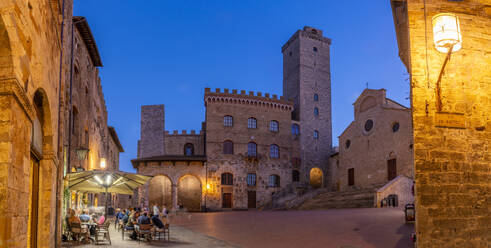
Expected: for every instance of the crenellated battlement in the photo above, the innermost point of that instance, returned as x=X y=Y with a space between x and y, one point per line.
x=251 y=97
x=184 y=132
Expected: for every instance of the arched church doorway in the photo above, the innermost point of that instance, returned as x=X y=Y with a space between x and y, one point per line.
x=189 y=193
x=316 y=177
x=160 y=191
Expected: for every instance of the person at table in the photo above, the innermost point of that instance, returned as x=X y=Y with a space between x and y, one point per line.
x=101 y=219
x=73 y=217
x=85 y=217
x=143 y=219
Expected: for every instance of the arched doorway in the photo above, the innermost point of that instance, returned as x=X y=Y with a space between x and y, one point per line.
x=160 y=191
x=40 y=171
x=189 y=193
x=316 y=177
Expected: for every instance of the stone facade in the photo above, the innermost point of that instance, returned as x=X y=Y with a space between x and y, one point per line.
x=39 y=85
x=225 y=174
x=452 y=140
x=377 y=145
x=307 y=81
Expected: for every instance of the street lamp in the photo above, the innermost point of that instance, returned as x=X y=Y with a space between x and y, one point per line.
x=447 y=39
x=106 y=182
x=81 y=154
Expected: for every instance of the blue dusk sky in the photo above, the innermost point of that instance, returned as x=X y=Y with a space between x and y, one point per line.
x=167 y=52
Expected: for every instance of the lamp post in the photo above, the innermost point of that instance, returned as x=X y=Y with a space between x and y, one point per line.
x=106 y=182
x=81 y=154
x=447 y=39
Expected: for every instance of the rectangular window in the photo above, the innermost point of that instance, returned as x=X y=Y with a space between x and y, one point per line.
x=228 y=121
x=251 y=179
x=252 y=123
x=251 y=149
x=273 y=126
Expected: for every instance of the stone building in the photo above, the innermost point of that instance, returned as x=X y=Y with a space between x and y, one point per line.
x=376 y=148
x=451 y=105
x=251 y=145
x=43 y=84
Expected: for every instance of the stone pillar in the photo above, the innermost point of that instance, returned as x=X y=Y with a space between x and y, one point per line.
x=174 y=196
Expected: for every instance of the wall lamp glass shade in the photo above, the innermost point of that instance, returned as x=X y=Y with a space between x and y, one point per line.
x=103 y=163
x=446 y=32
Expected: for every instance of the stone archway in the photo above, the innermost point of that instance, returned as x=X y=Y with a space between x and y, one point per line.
x=189 y=192
x=160 y=191
x=316 y=177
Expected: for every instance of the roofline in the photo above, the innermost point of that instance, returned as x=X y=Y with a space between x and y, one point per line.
x=396 y=103
x=84 y=29
x=173 y=158
x=114 y=135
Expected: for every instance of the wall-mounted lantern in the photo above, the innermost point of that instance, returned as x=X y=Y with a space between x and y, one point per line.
x=447 y=39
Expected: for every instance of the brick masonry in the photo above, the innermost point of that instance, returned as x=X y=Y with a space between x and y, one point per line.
x=452 y=165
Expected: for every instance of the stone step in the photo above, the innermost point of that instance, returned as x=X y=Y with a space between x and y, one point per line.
x=345 y=199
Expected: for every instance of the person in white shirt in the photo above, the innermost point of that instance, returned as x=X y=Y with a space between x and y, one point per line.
x=155 y=209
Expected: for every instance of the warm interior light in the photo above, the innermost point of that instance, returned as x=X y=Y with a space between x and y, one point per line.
x=103 y=163
x=98 y=180
x=446 y=33
x=208 y=186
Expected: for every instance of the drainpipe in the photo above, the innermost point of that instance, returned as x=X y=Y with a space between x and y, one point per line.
x=60 y=151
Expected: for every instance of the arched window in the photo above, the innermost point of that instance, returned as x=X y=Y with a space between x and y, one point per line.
x=228 y=121
x=295 y=176
x=227 y=179
x=251 y=179
x=252 y=123
x=273 y=126
x=274 y=151
x=295 y=129
x=228 y=147
x=316 y=97
x=274 y=181
x=314 y=48
x=252 y=149
x=188 y=149
x=316 y=111
x=316 y=134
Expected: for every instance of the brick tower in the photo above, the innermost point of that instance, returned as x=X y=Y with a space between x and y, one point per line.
x=307 y=81
x=151 y=141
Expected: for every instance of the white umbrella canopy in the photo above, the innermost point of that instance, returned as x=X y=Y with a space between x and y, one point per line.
x=97 y=181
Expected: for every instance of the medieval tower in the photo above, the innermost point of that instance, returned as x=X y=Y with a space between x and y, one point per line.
x=307 y=81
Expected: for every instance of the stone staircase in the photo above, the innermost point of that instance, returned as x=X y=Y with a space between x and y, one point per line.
x=362 y=198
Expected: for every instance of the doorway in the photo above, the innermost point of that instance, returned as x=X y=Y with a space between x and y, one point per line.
x=391 y=169
x=227 y=200
x=251 y=199
x=34 y=206
x=351 y=176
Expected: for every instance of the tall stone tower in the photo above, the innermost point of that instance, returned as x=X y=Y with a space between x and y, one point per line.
x=307 y=80
x=152 y=131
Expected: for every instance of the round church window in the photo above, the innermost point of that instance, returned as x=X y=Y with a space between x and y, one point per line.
x=368 y=125
x=395 y=127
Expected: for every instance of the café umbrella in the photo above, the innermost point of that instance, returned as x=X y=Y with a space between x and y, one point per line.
x=102 y=181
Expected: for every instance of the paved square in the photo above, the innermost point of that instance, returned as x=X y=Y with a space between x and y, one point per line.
x=367 y=228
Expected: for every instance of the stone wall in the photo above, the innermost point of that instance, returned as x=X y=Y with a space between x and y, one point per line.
x=306 y=72
x=152 y=128
x=368 y=152
x=30 y=87
x=452 y=159
x=175 y=142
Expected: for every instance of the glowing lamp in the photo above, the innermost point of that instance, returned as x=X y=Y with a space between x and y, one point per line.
x=208 y=186
x=103 y=163
x=446 y=33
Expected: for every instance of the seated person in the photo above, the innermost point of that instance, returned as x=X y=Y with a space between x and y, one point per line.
x=85 y=217
x=73 y=217
x=101 y=219
x=143 y=219
x=157 y=222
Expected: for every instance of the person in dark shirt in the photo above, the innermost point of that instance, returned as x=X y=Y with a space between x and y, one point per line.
x=143 y=219
x=157 y=222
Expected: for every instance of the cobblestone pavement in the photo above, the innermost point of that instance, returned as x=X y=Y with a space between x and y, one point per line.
x=336 y=228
